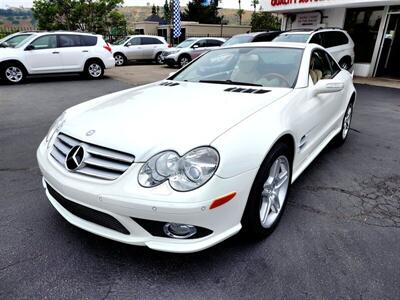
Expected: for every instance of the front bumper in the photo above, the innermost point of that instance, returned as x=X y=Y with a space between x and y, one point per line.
x=171 y=59
x=126 y=201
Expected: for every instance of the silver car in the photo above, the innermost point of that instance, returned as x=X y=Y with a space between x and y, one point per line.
x=189 y=49
x=139 y=47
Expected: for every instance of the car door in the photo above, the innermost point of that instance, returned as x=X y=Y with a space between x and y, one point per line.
x=72 y=52
x=42 y=55
x=315 y=112
x=198 y=48
x=150 y=47
x=134 y=48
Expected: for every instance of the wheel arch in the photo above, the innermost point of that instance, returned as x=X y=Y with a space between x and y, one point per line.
x=121 y=53
x=94 y=59
x=15 y=61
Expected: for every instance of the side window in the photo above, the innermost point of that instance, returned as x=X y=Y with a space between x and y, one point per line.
x=334 y=38
x=88 y=40
x=214 y=43
x=319 y=66
x=316 y=39
x=45 y=42
x=201 y=43
x=334 y=66
x=150 y=41
x=69 y=40
x=134 y=41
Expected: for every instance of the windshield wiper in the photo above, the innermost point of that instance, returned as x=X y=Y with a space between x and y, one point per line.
x=230 y=82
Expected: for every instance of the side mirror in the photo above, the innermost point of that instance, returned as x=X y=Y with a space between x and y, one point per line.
x=324 y=86
x=3 y=45
x=29 y=48
x=128 y=44
x=195 y=46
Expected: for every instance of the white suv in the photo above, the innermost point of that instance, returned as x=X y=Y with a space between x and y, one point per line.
x=336 y=41
x=56 y=52
x=139 y=47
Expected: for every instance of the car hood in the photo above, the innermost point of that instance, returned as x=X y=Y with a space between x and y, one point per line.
x=145 y=120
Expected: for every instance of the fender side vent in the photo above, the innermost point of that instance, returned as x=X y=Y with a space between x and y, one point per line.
x=167 y=83
x=248 y=91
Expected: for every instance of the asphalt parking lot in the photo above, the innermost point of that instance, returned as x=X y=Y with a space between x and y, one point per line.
x=339 y=237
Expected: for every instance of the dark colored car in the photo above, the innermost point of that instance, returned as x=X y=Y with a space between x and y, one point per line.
x=252 y=37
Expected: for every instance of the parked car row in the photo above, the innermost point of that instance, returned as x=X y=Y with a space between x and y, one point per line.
x=337 y=42
x=30 y=53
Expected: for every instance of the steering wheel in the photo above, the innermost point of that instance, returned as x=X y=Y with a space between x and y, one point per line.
x=281 y=78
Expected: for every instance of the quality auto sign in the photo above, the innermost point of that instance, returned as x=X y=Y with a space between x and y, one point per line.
x=299 y=5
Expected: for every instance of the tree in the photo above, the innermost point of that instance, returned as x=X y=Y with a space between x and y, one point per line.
x=98 y=16
x=254 y=3
x=264 y=21
x=167 y=12
x=196 y=11
x=240 y=12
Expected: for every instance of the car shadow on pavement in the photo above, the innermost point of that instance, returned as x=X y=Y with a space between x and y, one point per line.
x=53 y=78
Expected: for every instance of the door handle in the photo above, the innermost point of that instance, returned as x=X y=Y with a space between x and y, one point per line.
x=85 y=50
x=56 y=52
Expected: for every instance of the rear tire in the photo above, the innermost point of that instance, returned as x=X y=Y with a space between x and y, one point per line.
x=158 y=59
x=94 y=69
x=13 y=73
x=268 y=195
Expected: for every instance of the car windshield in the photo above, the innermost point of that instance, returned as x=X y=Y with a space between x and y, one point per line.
x=121 y=41
x=14 y=41
x=239 y=39
x=294 y=38
x=186 y=43
x=253 y=66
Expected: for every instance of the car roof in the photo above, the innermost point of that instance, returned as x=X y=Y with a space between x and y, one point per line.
x=147 y=35
x=63 y=32
x=271 y=44
x=309 y=31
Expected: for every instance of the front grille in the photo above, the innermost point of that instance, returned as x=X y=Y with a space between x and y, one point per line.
x=87 y=213
x=98 y=161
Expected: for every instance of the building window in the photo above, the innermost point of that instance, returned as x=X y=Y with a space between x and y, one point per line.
x=363 y=26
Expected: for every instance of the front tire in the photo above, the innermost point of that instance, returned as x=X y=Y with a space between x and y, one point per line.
x=341 y=137
x=268 y=195
x=94 y=70
x=13 y=73
x=184 y=60
x=120 y=59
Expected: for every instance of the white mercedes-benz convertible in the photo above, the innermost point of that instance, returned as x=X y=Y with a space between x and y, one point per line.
x=182 y=164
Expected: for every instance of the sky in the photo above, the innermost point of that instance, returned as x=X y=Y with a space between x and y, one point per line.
x=225 y=3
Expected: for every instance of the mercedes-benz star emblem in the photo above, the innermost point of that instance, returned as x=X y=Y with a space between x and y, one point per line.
x=90 y=132
x=74 y=158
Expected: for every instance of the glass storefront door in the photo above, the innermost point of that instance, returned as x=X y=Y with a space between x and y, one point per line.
x=389 y=61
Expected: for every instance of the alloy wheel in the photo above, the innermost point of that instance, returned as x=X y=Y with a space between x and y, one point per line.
x=347 y=121
x=274 y=191
x=95 y=70
x=184 y=61
x=119 y=60
x=14 y=74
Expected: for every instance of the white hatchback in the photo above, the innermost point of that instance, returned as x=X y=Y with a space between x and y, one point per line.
x=336 y=41
x=184 y=163
x=56 y=52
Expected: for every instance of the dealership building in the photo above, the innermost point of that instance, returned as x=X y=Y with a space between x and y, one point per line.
x=374 y=25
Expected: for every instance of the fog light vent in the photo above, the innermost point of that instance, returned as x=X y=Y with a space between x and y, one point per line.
x=179 y=231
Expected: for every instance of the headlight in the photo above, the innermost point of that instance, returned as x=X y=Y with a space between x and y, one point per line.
x=184 y=173
x=172 y=52
x=55 y=127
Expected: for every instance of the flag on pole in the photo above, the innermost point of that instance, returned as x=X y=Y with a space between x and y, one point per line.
x=176 y=18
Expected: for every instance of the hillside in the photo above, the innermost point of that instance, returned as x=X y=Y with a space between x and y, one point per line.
x=139 y=13
x=22 y=18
